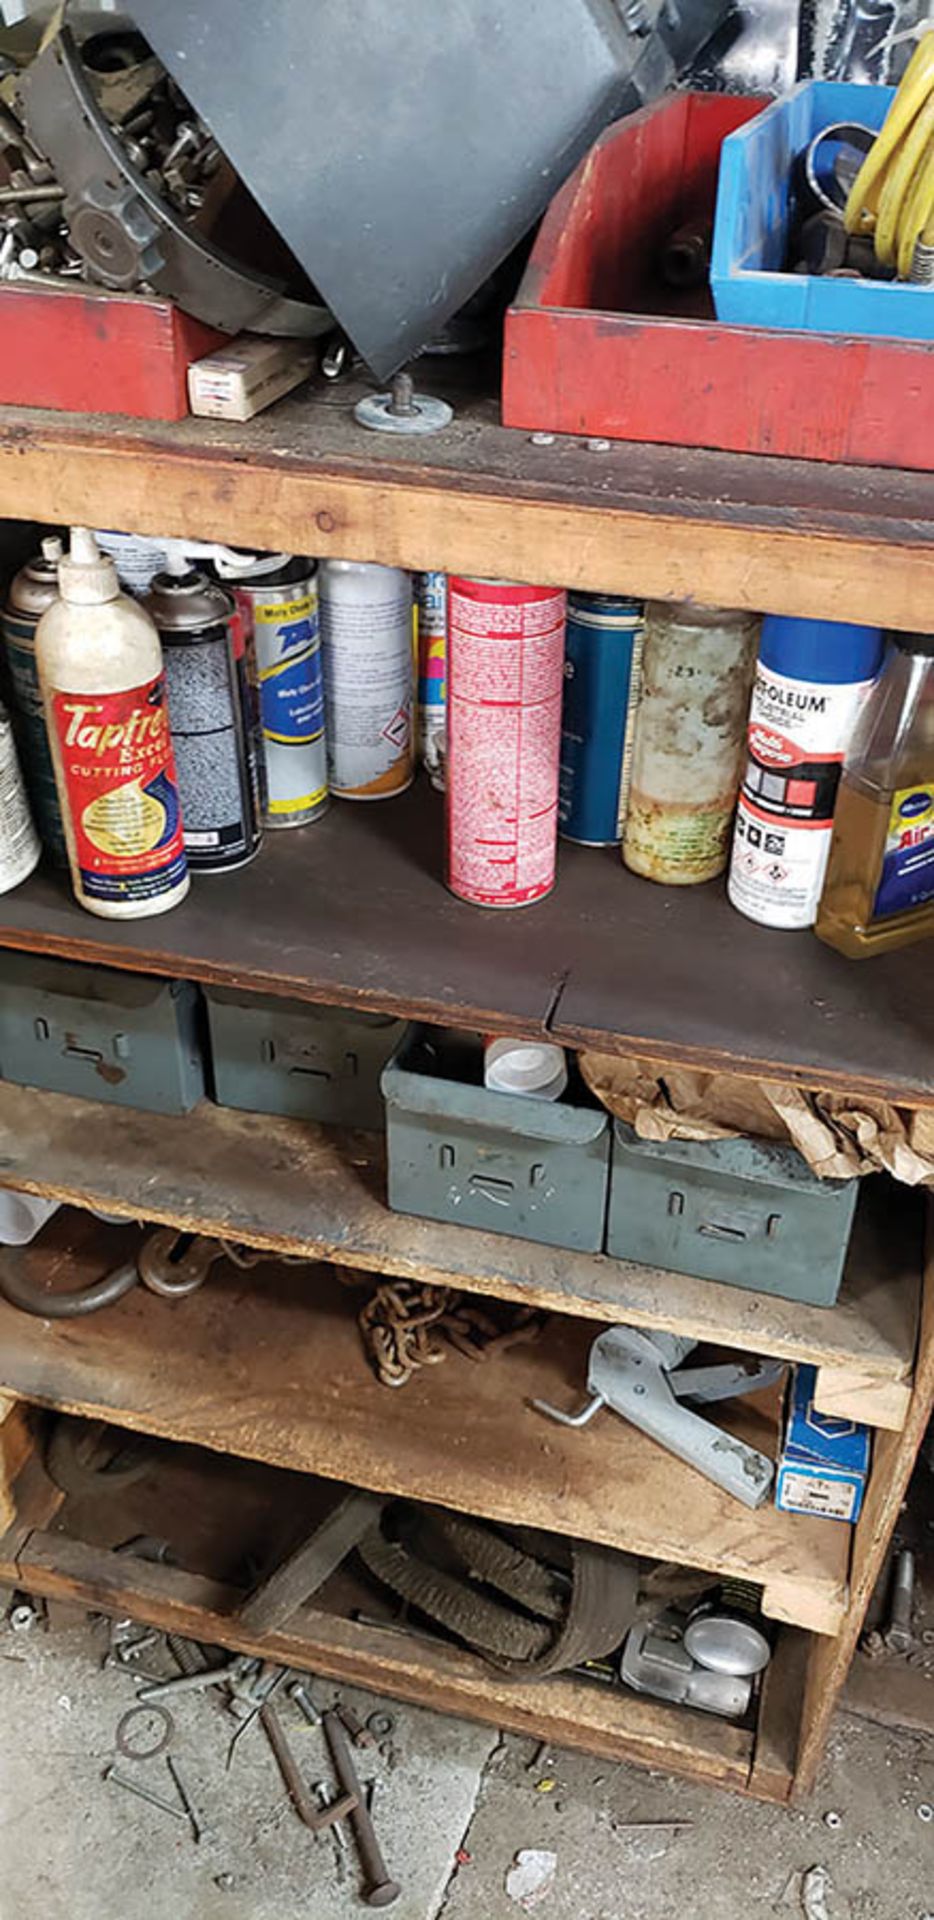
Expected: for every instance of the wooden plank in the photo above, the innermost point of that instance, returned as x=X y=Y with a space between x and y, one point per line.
x=296 y=1578
x=855 y=1396
x=616 y=1725
x=270 y=1366
x=775 y=535
x=779 y=1721
x=608 y=960
x=893 y=1459
x=297 y=1188
x=16 y=1445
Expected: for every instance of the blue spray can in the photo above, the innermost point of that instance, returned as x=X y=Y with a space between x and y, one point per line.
x=602 y=677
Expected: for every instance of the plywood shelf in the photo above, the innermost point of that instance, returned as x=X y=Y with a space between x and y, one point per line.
x=353 y=912
x=268 y=1366
x=216 y=1511
x=296 y=1188
x=780 y=536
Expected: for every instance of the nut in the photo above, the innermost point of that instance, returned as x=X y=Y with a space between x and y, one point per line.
x=925 y=1811
x=833 y=1820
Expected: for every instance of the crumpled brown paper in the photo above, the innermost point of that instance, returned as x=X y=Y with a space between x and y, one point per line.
x=838 y=1134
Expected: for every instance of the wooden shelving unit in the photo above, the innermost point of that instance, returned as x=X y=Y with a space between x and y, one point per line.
x=261 y=1374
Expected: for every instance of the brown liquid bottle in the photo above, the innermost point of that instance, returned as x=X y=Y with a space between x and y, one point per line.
x=879 y=889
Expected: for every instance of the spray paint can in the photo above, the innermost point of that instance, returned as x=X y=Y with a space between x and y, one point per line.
x=812 y=677
x=602 y=674
x=278 y=601
x=32 y=590
x=211 y=715
x=367 y=656
x=20 y=846
x=103 y=683
x=431 y=600
x=505 y=682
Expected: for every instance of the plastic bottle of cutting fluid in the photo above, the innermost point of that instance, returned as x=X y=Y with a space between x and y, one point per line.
x=101 y=673
x=812 y=678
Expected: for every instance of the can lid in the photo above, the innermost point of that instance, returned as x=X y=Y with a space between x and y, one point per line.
x=821 y=650
x=186 y=601
x=86 y=577
x=525 y=1066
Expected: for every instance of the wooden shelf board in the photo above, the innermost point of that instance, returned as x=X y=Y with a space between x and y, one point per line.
x=353 y=911
x=296 y=1188
x=215 y=1509
x=269 y=1365
x=782 y=536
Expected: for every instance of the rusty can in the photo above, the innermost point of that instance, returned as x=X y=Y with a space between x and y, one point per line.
x=505 y=684
x=697 y=670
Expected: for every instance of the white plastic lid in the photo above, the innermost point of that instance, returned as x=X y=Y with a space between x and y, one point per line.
x=525 y=1066
x=87 y=577
x=52 y=549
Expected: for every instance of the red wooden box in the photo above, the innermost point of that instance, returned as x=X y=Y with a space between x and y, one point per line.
x=595 y=344
x=90 y=351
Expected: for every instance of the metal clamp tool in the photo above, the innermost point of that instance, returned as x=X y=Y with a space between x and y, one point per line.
x=635 y=1374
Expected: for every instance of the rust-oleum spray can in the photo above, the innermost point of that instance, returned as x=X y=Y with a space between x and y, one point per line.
x=812 y=678
x=212 y=716
x=31 y=591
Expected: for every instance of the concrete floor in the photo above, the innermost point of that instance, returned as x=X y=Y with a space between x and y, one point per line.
x=454 y=1806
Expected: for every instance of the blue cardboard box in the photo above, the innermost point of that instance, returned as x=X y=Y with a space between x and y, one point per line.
x=824 y=1463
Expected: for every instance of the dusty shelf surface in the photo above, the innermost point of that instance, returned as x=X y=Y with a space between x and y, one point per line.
x=268 y=1365
x=297 y=1188
x=353 y=911
x=780 y=536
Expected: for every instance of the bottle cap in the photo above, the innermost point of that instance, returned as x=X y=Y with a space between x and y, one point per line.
x=52 y=549
x=822 y=650
x=86 y=577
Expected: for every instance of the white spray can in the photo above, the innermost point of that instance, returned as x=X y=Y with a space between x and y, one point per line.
x=367 y=653
x=101 y=673
x=19 y=842
x=812 y=677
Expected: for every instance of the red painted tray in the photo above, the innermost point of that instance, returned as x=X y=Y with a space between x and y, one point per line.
x=90 y=351
x=595 y=344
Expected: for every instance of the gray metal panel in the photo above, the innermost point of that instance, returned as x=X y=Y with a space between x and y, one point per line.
x=400 y=151
x=124 y=1038
x=746 y=1212
x=311 y=1063
x=500 y=1162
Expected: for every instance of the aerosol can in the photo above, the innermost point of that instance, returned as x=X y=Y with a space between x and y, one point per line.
x=31 y=591
x=103 y=684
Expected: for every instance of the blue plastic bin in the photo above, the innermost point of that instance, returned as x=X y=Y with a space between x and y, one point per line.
x=752 y=218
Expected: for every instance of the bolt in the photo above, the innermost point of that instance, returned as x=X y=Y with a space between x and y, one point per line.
x=303 y=1700
x=323 y=1798
x=402 y=402
x=196 y=1682
x=898 y=1634
x=598 y=445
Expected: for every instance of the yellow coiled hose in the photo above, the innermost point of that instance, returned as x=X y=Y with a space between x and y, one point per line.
x=892 y=197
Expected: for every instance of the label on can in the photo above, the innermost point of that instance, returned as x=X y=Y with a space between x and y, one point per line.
x=506 y=660
x=431 y=594
x=287 y=645
x=118 y=770
x=19 y=842
x=602 y=677
x=136 y=557
x=798 y=734
x=907 y=877
x=211 y=714
x=29 y=719
x=368 y=683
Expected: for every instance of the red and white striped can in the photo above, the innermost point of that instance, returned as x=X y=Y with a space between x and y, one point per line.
x=505 y=683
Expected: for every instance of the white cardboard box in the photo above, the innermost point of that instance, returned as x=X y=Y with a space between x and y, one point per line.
x=247 y=375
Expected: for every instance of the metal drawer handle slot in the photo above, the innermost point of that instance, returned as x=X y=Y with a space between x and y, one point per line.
x=312 y=1073
x=91 y=1054
x=715 y=1232
x=537 y=1174
x=446 y=1157
x=676 y=1203
x=499 y=1192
